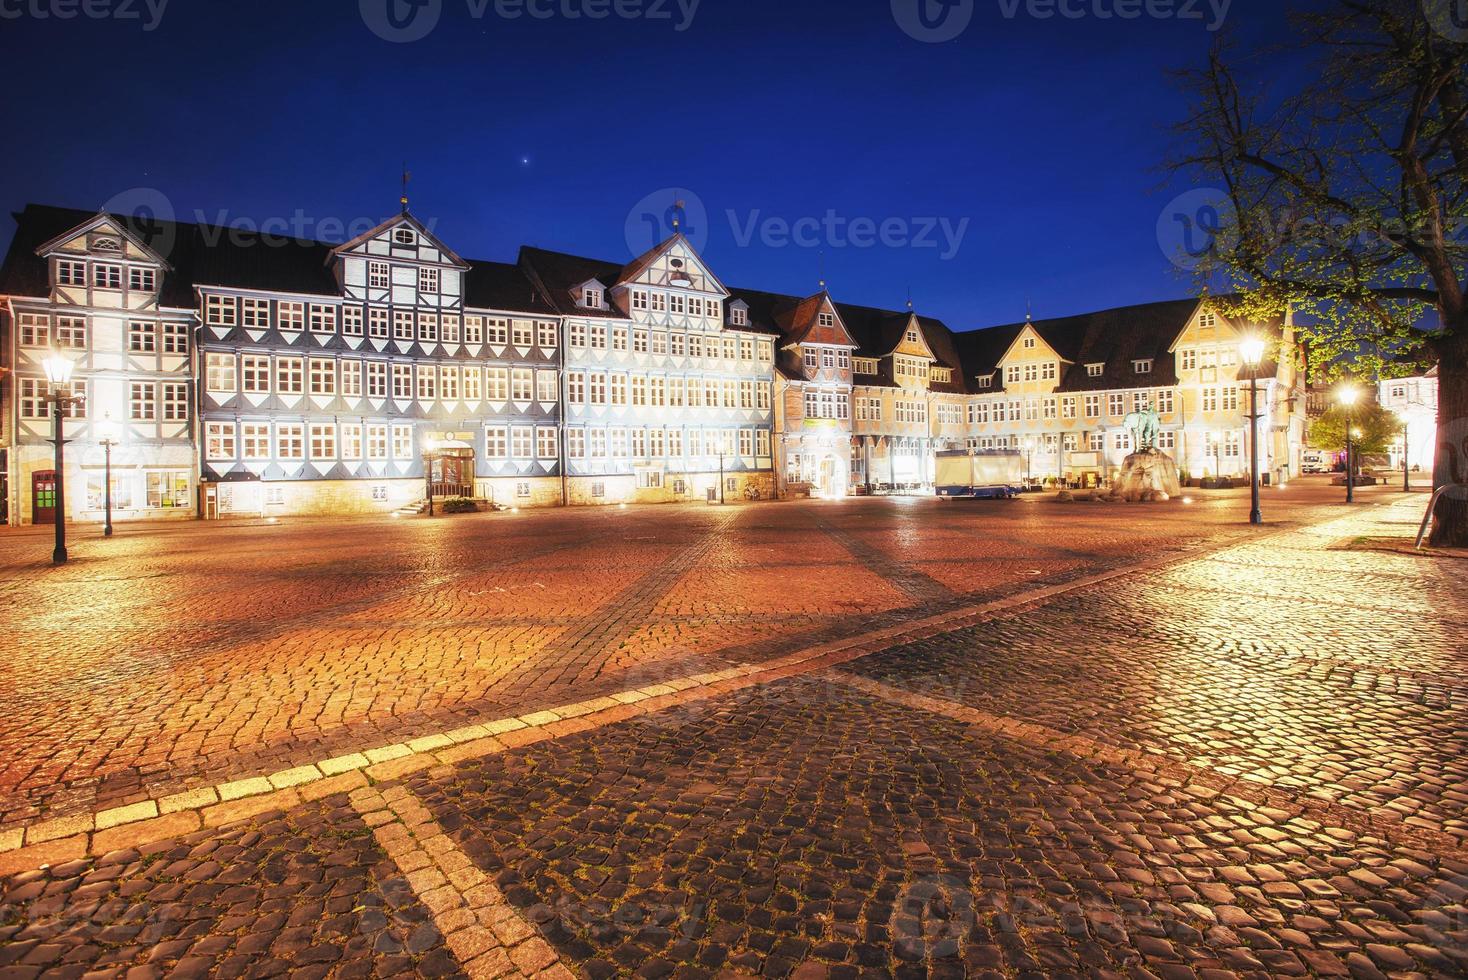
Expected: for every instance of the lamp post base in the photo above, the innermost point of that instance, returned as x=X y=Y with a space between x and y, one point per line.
x=59 y=556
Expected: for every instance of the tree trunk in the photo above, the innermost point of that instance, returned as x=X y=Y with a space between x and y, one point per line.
x=1450 y=522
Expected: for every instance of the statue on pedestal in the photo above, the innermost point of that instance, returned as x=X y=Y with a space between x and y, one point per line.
x=1148 y=474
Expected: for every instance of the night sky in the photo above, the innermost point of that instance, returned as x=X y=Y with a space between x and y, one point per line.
x=1041 y=140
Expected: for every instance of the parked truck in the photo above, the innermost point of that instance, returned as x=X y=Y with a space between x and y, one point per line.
x=980 y=474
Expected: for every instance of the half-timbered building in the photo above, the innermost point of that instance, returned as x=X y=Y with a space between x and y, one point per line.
x=666 y=384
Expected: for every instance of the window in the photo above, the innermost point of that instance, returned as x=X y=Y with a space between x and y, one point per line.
x=255 y=313
x=377 y=442
x=219 y=373
x=1210 y=399
x=33 y=404
x=1115 y=404
x=219 y=441
x=255 y=374
x=323 y=319
x=1095 y=370
x=427 y=383
x=1189 y=360
x=402 y=324
x=175 y=402
x=677 y=304
x=255 y=440
x=71 y=332
x=546 y=335
x=404 y=236
x=35 y=330
x=739 y=316
x=376 y=379
x=498 y=382
x=545 y=443
x=377 y=323
x=474 y=330
x=220 y=311
x=545 y=386
x=1049 y=371
x=379 y=276
x=290 y=441
x=1029 y=343
x=428 y=327
x=175 y=338
x=351 y=379
x=521 y=384
x=351 y=441
x=1093 y=406
x=474 y=384
x=593 y=299
x=448 y=381
x=1142 y=366
x=659 y=342
x=70 y=273
x=323 y=441
x=142 y=280
x=292 y=316
x=912 y=335
x=1164 y=401
x=639 y=299
x=323 y=376
x=522 y=333
x=826 y=320
x=578 y=335
x=1068 y=407
x=107 y=276
x=402 y=441
x=659 y=302
x=1230 y=399
x=289 y=376
x=498 y=332
x=986 y=381
x=428 y=280
x=521 y=441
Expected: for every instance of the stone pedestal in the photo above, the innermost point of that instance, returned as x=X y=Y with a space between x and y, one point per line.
x=1148 y=476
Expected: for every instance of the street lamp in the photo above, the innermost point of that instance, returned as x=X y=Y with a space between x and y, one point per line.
x=58 y=369
x=108 y=430
x=1252 y=352
x=430 y=448
x=1029 y=444
x=1347 y=396
x=1406 y=474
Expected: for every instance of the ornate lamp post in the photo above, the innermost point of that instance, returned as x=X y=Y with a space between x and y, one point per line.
x=58 y=369
x=1029 y=444
x=430 y=453
x=1252 y=352
x=1347 y=396
x=108 y=430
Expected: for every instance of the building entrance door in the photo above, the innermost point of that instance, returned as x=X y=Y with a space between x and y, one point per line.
x=43 y=497
x=453 y=474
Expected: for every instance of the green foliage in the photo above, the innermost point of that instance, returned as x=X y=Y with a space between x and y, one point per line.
x=1378 y=429
x=460 y=505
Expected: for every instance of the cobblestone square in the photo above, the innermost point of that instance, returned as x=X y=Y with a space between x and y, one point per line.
x=884 y=737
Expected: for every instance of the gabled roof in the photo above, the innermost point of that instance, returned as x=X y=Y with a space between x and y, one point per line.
x=100 y=218
x=408 y=219
x=559 y=275
x=209 y=255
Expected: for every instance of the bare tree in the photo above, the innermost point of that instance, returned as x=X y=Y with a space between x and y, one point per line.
x=1345 y=198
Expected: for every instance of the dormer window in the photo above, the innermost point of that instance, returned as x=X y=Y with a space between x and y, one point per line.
x=826 y=320
x=592 y=299
x=1142 y=366
x=404 y=236
x=986 y=381
x=1095 y=370
x=739 y=316
x=639 y=299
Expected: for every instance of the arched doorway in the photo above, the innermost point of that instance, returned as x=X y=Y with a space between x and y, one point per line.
x=831 y=477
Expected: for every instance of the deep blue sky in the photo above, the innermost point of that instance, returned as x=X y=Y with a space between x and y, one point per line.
x=1047 y=135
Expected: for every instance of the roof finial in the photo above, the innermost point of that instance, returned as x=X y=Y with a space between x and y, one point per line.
x=407 y=176
x=909 y=297
x=821 y=256
x=678 y=206
x=1029 y=310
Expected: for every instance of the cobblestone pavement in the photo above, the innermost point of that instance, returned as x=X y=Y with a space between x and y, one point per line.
x=167 y=659
x=1245 y=762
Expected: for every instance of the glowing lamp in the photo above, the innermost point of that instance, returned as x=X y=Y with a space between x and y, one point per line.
x=1252 y=350
x=1347 y=395
x=58 y=369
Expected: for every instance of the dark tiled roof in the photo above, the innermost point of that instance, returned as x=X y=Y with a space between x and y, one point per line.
x=558 y=274
x=209 y=255
x=1113 y=338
